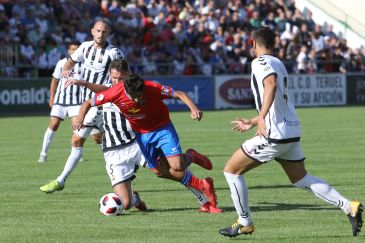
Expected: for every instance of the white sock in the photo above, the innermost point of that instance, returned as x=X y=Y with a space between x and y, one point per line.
x=239 y=194
x=47 y=139
x=324 y=191
x=71 y=163
x=135 y=200
x=202 y=199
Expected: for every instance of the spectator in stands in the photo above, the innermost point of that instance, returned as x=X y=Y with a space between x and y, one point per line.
x=318 y=39
x=302 y=59
x=304 y=38
x=197 y=26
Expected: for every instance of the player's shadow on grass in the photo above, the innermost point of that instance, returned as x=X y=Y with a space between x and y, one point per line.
x=159 y=210
x=269 y=206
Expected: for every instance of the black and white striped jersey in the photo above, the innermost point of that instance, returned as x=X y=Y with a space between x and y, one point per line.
x=96 y=63
x=281 y=120
x=72 y=94
x=117 y=130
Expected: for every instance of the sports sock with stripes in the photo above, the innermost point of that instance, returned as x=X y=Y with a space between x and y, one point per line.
x=239 y=195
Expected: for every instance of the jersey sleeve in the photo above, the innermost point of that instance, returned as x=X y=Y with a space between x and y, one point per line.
x=78 y=55
x=57 y=73
x=108 y=95
x=262 y=69
x=163 y=91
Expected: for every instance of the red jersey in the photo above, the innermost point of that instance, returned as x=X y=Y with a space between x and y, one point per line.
x=143 y=118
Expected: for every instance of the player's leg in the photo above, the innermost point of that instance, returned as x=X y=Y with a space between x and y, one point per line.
x=57 y=115
x=77 y=146
x=77 y=142
x=121 y=167
x=234 y=169
x=163 y=171
x=301 y=179
x=193 y=156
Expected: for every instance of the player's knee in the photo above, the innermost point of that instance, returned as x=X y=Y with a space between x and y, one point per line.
x=77 y=141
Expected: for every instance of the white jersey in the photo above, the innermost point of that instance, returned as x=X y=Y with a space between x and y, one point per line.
x=281 y=121
x=96 y=63
x=72 y=94
x=117 y=130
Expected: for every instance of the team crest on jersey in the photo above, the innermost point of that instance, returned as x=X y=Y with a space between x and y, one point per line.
x=165 y=90
x=100 y=97
x=134 y=110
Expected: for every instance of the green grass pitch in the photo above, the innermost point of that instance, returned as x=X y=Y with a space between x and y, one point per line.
x=333 y=143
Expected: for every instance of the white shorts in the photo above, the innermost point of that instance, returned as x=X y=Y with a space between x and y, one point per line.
x=261 y=150
x=93 y=122
x=65 y=111
x=121 y=164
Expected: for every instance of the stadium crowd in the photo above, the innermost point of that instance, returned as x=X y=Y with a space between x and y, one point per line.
x=170 y=37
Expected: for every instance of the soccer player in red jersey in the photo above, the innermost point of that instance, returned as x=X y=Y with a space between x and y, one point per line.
x=141 y=102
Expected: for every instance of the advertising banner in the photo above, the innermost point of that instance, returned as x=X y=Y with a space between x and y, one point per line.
x=318 y=89
x=233 y=91
x=356 y=89
x=24 y=96
x=199 y=89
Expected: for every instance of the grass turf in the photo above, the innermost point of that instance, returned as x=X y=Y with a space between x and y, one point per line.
x=333 y=143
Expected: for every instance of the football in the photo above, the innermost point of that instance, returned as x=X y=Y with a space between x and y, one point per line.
x=110 y=205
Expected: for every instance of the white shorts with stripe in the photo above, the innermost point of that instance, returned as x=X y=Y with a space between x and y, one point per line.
x=259 y=149
x=65 y=111
x=120 y=164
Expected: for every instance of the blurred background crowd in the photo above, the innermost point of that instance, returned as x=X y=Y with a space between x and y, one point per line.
x=170 y=37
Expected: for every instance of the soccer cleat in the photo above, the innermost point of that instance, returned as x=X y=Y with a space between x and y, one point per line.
x=237 y=229
x=208 y=190
x=52 y=186
x=209 y=208
x=42 y=158
x=199 y=159
x=141 y=206
x=355 y=217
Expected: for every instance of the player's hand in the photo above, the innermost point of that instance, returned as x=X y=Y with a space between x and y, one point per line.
x=196 y=115
x=241 y=124
x=50 y=103
x=261 y=127
x=77 y=124
x=66 y=74
x=69 y=82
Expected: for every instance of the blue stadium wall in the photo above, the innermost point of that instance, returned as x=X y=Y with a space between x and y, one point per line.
x=30 y=96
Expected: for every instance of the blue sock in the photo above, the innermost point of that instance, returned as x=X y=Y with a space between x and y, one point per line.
x=185 y=181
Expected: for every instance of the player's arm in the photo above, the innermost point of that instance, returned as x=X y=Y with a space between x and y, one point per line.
x=67 y=68
x=93 y=87
x=268 y=99
x=52 y=91
x=78 y=122
x=196 y=114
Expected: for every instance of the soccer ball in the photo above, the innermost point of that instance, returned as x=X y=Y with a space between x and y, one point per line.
x=110 y=205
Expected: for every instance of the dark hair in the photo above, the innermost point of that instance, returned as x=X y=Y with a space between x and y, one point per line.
x=75 y=43
x=133 y=83
x=120 y=65
x=264 y=36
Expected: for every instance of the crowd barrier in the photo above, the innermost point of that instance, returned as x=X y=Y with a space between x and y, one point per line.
x=30 y=96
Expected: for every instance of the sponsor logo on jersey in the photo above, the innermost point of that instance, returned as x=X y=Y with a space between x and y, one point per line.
x=100 y=97
x=134 y=110
x=165 y=90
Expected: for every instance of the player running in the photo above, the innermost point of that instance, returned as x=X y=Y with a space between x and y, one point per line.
x=96 y=56
x=277 y=137
x=141 y=103
x=64 y=102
